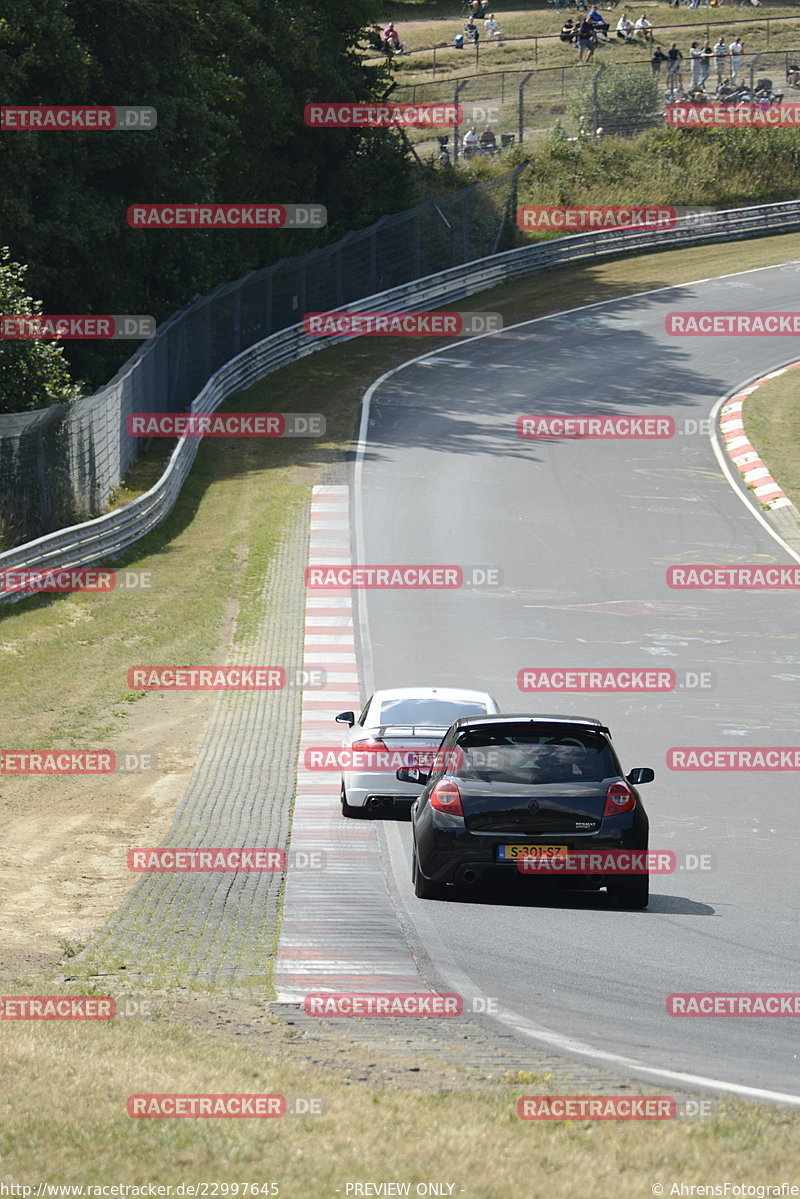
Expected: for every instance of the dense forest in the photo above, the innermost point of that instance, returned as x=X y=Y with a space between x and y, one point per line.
x=229 y=80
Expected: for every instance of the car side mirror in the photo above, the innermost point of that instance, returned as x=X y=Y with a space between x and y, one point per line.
x=420 y=777
x=641 y=774
x=348 y=718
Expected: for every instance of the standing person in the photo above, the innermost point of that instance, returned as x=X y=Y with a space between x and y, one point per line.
x=735 y=51
x=720 y=54
x=656 y=60
x=696 y=58
x=674 y=77
x=586 y=39
x=706 y=54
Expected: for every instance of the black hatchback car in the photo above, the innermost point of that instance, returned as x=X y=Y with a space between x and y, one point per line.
x=529 y=794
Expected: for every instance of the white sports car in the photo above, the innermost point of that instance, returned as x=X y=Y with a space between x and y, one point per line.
x=405 y=721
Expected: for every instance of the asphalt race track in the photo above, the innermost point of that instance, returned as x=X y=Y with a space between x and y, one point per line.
x=583 y=532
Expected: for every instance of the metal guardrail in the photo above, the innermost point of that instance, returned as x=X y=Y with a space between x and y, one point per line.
x=100 y=539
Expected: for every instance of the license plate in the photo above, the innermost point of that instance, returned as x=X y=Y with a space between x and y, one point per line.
x=512 y=853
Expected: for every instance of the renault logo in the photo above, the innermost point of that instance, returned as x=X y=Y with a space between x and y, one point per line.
x=533 y=805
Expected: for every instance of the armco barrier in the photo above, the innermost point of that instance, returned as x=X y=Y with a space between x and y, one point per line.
x=100 y=539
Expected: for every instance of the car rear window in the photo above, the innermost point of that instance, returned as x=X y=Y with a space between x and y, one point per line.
x=539 y=756
x=438 y=713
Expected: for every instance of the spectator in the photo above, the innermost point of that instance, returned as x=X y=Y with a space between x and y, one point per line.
x=568 y=32
x=706 y=54
x=643 y=27
x=471 y=30
x=587 y=39
x=658 y=56
x=476 y=10
x=492 y=29
x=696 y=58
x=488 y=141
x=674 y=77
x=470 y=143
x=720 y=54
x=391 y=40
x=625 y=28
x=600 y=26
x=793 y=74
x=735 y=51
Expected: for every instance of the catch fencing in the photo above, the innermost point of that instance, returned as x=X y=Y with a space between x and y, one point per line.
x=63 y=464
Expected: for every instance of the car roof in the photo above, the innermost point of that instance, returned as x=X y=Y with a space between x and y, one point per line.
x=451 y=694
x=502 y=718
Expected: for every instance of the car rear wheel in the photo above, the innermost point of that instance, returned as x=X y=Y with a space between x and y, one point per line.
x=424 y=888
x=633 y=894
x=349 y=810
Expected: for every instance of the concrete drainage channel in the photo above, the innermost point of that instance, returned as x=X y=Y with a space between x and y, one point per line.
x=340 y=932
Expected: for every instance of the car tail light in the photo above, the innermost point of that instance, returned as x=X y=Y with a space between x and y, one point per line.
x=619 y=799
x=371 y=744
x=446 y=797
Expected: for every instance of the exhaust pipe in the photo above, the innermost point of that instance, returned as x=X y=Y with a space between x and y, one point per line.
x=469 y=876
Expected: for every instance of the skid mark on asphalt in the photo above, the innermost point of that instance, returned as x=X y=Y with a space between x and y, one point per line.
x=340 y=932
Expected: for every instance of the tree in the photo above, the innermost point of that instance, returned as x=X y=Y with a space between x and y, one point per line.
x=33 y=373
x=230 y=80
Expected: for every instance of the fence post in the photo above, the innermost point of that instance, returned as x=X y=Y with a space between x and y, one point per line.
x=459 y=88
x=520 y=107
x=768 y=33
x=465 y=226
x=595 y=82
x=433 y=76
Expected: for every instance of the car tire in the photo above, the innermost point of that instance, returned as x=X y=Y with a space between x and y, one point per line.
x=425 y=888
x=348 y=809
x=634 y=894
